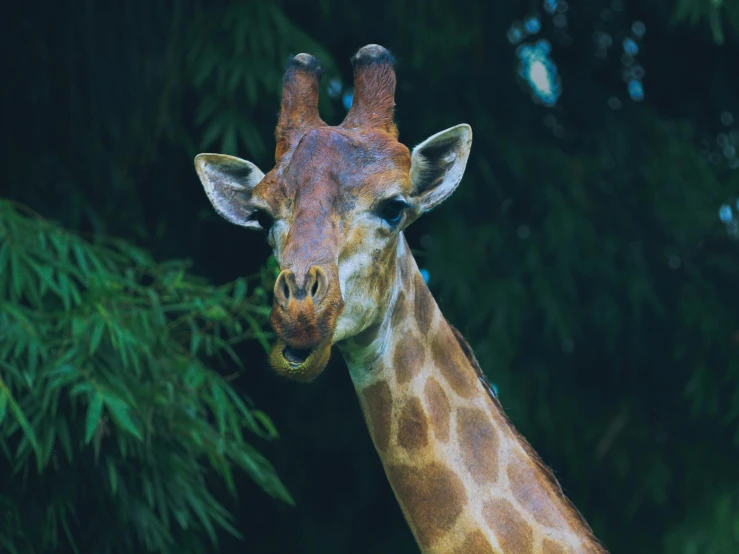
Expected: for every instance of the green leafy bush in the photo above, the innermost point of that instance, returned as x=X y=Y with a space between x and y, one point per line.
x=111 y=418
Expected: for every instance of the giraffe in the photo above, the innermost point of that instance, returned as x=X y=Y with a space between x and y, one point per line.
x=333 y=209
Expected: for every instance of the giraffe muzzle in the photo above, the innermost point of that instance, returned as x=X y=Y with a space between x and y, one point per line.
x=304 y=313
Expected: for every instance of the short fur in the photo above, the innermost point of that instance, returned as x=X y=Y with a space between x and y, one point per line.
x=374 y=91
x=574 y=514
x=465 y=479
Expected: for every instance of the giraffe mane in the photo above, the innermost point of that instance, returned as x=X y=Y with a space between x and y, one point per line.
x=572 y=512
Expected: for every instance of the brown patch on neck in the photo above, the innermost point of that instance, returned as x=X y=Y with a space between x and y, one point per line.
x=551 y=547
x=439 y=409
x=522 y=485
x=476 y=543
x=413 y=427
x=400 y=310
x=432 y=497
x=511 y=530
x=379 y=404
x=409 y=358
x=478 y=442
x=452 y=364
x=533 y=492
x=546 y=480
x=424 y=305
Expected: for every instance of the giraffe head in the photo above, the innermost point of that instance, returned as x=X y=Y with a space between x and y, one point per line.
x=334 y=206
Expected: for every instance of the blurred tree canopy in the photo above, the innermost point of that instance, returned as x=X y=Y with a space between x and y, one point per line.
x=590 y=256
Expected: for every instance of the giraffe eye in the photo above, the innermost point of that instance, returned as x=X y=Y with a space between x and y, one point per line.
x=264 y=219
x=392 y=211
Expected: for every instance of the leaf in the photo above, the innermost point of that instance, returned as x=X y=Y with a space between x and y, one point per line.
x=219 y=407
x=16 y=275
x=94 y=411
x=3 y=404
x=98 y=328
x=119 y=411
x=239 y=290
x=28 y=433
x=228 y=142
x=266 y=423
x=202 y=515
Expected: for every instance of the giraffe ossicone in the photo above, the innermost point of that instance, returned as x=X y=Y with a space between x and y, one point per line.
x=334 y=208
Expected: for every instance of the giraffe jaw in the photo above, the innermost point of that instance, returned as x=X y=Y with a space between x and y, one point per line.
x=300 y=364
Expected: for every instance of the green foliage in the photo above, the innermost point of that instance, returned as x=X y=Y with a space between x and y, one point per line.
x=714 y=12
x=111 y=418
x=236 y=61
x=582 y=257
x=624 y=281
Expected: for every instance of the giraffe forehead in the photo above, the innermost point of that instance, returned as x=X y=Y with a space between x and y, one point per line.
x=331 y=163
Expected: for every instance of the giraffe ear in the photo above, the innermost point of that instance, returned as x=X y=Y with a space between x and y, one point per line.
x=229 y=182
x=437 y=165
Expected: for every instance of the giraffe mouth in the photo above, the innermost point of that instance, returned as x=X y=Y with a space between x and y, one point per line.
x=301 y=364
x=296 y=356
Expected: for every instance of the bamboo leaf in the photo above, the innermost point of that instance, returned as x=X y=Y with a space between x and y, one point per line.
x=94 y=412
x=98 y=328
x=119 y=411
x=3 y=404
x=267 y=423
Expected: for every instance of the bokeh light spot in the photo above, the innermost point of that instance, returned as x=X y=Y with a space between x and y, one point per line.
x=630 y=46
x=725 y=214
x=532 y=25
x=334 y=87
x=540 y=72
x=636 y=90
x=514 y=34
x=347 y=99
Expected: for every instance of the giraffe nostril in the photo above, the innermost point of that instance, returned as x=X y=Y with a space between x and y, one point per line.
x=286 y=289
x=314 y=288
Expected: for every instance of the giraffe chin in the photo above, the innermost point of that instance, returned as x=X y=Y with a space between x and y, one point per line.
x=302 y=365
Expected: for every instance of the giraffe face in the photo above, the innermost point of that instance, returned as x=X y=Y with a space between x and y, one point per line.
x=332 y=209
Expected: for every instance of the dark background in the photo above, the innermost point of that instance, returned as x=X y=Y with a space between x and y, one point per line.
x=585 y=255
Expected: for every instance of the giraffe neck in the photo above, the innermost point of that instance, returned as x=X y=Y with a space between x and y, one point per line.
x=465 y=480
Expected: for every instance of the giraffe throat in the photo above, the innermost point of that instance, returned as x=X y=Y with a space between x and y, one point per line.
x=466 y=481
